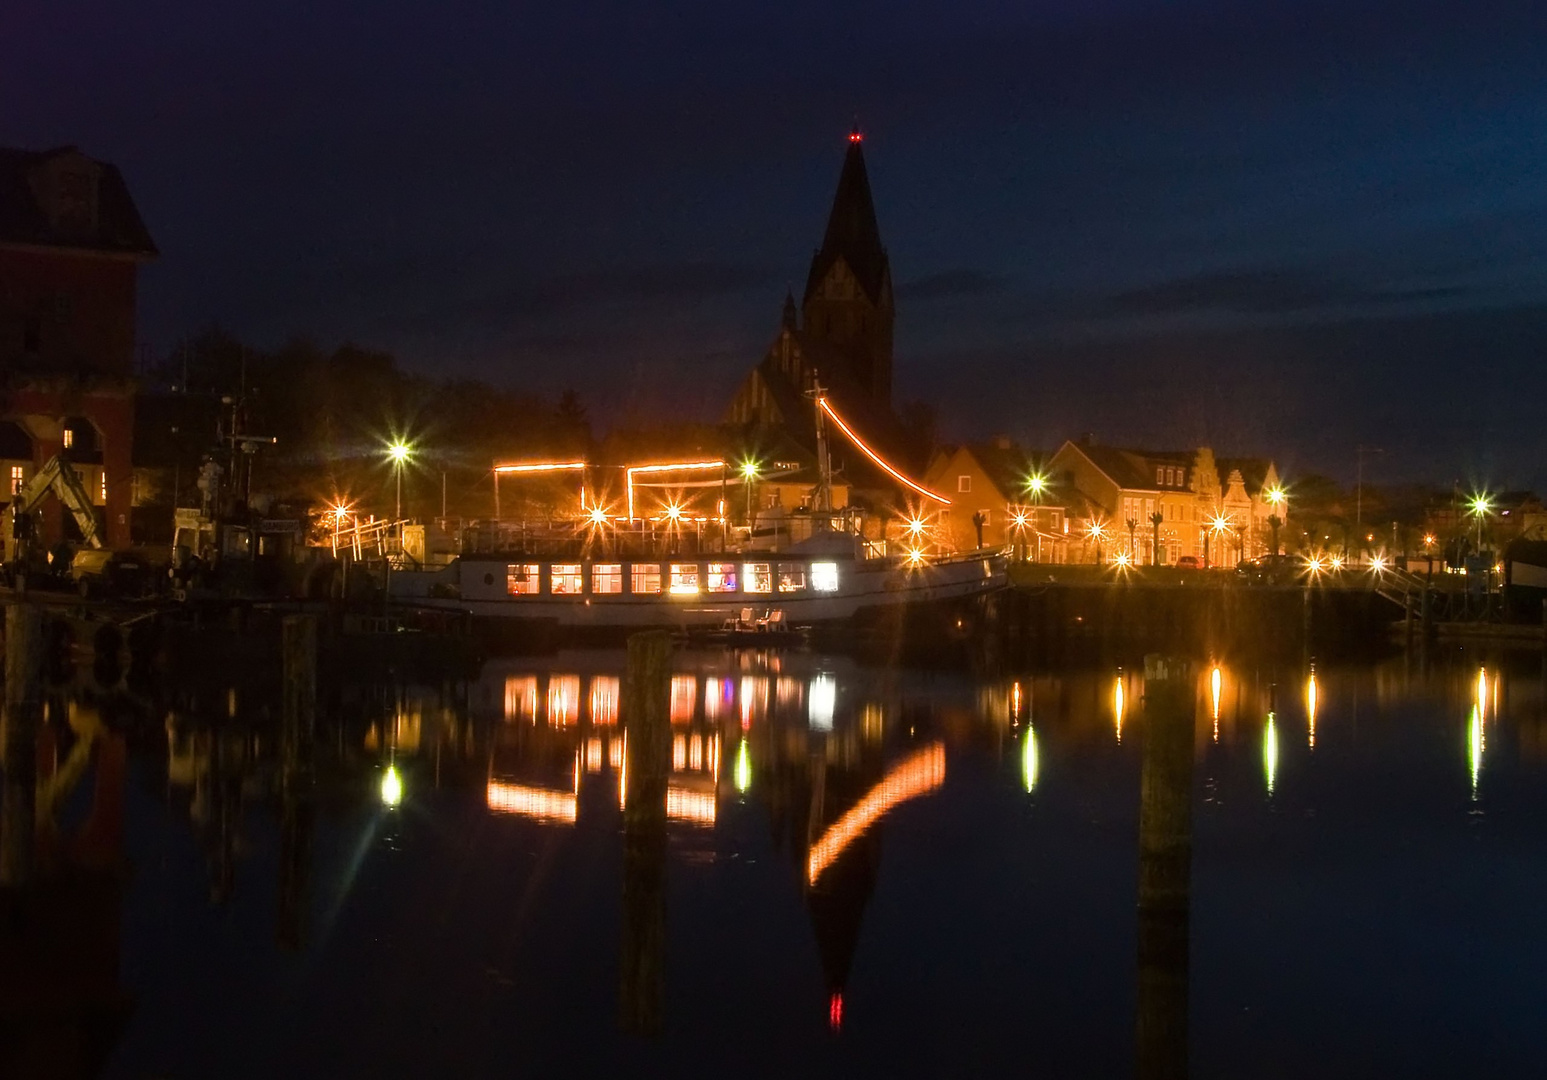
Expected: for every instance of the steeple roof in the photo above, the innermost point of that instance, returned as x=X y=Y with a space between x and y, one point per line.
x=852 y=233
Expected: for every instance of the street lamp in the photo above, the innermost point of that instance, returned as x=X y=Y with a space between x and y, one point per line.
x=748 y=478
x=1480 y=507
x=1276 y=499
x=398 y=453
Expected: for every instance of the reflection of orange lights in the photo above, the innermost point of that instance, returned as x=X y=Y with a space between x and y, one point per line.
x=593 y=755
x=918 y=775
x=683 y=690
x=532 y=802
x=875 y=457
x=563 y=699
x=521 y=697
x=604 y=700
x=685 y=804
x=679 y=752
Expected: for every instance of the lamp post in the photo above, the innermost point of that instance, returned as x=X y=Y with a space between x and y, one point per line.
x=1480 y=508
x=748 y=478
x=1276 y=499
x=398 y=452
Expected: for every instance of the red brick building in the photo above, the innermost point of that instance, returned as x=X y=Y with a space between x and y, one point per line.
x=71 y=244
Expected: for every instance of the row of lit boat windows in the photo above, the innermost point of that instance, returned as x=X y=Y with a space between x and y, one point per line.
x=679 y=579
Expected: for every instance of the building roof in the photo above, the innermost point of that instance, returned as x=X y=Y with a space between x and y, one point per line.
x=1134 y=470
x=852 y=233
x=1254 y=471
x=116 y=229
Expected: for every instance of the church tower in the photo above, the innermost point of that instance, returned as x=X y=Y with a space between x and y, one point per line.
x=848 y=300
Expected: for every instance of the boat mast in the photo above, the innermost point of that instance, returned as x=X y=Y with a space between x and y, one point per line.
x=824 y=468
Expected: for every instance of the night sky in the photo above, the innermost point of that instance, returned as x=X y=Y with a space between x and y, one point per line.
x=1279 y=226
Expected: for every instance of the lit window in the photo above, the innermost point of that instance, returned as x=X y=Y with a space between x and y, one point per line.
x=757 y=577
x=18 y=478
x=68 y=439
x=104 y=485
x=1160 y=475
x=565 y=578
x=521 y=579
x=607 y=578
x=824 y=576
x=792 y=577
x=684 y=578
x=722 y=577
x=964 y=483
x=646 y=579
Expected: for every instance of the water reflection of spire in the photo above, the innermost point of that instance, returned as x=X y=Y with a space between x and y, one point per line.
x=1117 y=704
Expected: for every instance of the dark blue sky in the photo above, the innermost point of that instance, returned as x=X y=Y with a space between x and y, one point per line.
x=1281 y=227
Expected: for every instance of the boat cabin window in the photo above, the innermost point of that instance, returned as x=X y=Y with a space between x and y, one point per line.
x=684 y=578
x=646 y=579
x=565 y=579
x=607 y=577
x=521 y=579
x=792 y=577
x=757 y=577
x=824 y=576
x=722 y=577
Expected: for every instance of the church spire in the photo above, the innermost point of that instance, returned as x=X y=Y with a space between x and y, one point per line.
x=852 y=233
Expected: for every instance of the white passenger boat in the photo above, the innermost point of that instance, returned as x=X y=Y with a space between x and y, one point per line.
x=824 y=581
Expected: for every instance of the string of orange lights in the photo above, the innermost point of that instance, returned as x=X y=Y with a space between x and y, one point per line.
x=875 y=457
x=918 y=775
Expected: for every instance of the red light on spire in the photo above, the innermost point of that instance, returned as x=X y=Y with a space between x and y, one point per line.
x=835 y=1011
x=855 y=135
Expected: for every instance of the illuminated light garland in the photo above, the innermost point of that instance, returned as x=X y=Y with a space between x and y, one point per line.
x=540 y=466
x=532 y=802
x=873 y=456
x=673 y=466
x=918 y=775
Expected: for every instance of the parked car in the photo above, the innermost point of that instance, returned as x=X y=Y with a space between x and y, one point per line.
x=1271 y=569
x=1189 y=562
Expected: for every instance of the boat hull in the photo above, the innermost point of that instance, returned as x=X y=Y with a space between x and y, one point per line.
x=865 y=590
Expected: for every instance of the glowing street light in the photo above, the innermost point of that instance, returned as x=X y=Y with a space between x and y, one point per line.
x=1480 y=507
x=399 y=453
x=748 y=478
x=1036 y=484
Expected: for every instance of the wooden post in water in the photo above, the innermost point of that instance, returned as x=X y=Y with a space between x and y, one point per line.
x=297 y=734
x=18 y=752
x=1165 y=868
x=646 y=762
